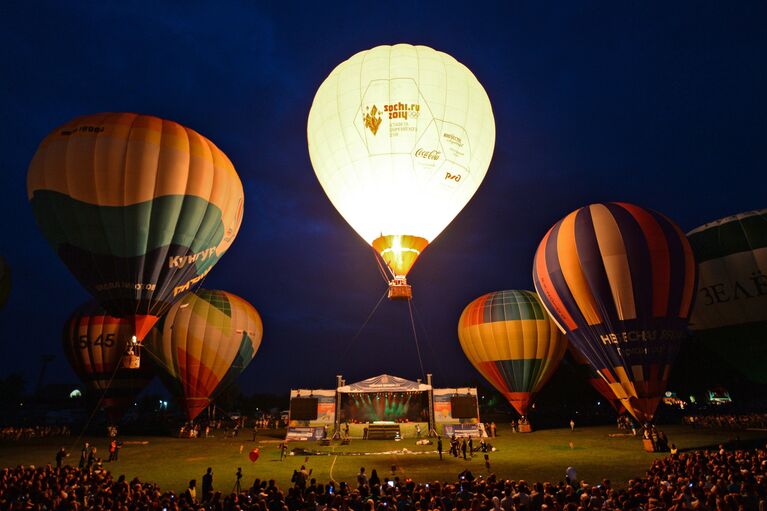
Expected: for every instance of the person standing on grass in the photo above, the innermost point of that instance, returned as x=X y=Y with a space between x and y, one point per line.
x=84 y=455
x=112 y=448
x=60 y=455
x=463 y=448
x=572 y=425
x=207 y=485
x=471 y=447
x=439 y=447
x=362 y=479
x=191 y=492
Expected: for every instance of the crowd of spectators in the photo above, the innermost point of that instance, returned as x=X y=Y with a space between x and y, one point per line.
x=26 y=432
x=225 y=427
x=728 y=421
x=715 y=480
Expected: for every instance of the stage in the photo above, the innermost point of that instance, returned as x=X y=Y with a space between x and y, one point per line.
x=382 y=407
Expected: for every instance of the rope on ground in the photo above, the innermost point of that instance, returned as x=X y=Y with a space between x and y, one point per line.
x=331 y=467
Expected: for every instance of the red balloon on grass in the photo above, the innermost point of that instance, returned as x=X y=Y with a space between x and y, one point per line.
x=254 y=454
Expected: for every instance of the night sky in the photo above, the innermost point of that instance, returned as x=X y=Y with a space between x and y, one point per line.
x=658 y=103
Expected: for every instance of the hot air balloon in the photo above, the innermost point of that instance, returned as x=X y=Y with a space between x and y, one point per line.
x=400 y=138
x=730 y=312
x=207 y=339
x=511 y=340
x=94 y=343
x=138 y=208
x=588 y=373
x=5 y=282
x=619 y=280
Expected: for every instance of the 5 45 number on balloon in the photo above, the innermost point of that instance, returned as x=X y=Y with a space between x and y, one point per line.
x=105 y=341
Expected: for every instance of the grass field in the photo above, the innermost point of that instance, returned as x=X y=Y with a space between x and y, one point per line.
x=541 y=455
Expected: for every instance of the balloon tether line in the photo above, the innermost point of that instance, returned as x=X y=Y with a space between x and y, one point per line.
x=428 y=342
x=364 y=324
x=101 y=399
x=415 y=336
x=386 y=278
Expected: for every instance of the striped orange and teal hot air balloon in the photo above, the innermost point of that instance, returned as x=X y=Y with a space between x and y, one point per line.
x=511 y=340
x=730 y=312
x=94 y=343
x=137 y=207
x=619 y=280
x=207 y=339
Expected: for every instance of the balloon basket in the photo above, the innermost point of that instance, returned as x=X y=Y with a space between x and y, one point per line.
x=648 y=445
x=399 y=289
x=131 y=361
x=525 y=428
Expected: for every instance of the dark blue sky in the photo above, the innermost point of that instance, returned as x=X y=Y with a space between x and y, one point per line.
x=658 y=103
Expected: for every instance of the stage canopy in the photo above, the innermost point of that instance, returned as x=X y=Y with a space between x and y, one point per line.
x=385 y=383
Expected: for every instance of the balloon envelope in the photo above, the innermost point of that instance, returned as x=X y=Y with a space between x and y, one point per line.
x=94 y=343
x=619 y=280
x=400 y=138
x=588 y=373
x=137 y=207
x=730 y=312
x=254 y=454
x=207 y=339
x=510 y=339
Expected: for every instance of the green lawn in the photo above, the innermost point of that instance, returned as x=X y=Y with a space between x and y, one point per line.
x=541 y=455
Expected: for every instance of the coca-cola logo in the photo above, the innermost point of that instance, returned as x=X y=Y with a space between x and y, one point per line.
x=428 y=155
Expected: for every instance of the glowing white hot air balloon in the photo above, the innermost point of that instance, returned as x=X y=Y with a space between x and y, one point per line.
x=400 y=138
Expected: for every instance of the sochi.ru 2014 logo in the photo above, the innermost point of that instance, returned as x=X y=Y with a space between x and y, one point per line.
x=372 y=119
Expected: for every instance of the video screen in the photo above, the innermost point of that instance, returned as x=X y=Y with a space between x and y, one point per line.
x=463 y=407
x=385 y=406
x=303 y=408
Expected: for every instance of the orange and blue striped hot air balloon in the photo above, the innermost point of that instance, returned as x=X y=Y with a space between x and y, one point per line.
x=207 y=339
x=511 y=340
x=94 y=343
x=588 y=373
x=138 y=208
x=619 y=280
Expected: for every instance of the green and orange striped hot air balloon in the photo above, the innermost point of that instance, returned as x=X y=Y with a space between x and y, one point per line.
x=619 y=280
x=94 y=343
x=138 y=208
x=207 y=339
x=510 y=339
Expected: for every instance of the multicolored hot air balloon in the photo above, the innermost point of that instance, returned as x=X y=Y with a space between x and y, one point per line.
x=5 y=282
x=588 y=373
x=400 y=138
x=730 y=312
x=619 y=280
x=94 y=343
x=137 y=207
x=511 y=340
x=207 y=339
